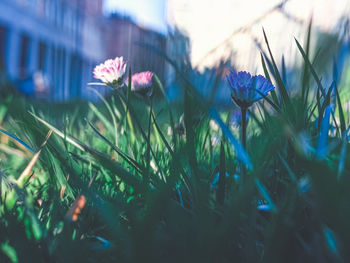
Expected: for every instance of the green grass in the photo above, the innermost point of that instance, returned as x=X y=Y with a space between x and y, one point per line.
x=149 y=194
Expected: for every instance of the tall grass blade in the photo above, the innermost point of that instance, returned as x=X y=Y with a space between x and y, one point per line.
x=279 y=80
x=267 y=75
x=322 y=147
x=25 y=175
x=313 y=72
x=18 y=140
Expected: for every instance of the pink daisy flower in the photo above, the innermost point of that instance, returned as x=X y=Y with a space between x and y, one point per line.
x=142 y=82
x=111 y=72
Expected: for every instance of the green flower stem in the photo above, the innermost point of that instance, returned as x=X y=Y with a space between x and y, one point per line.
x=244 y=127
x=244 y=137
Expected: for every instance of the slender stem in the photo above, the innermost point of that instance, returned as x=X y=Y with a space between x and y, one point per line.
x=244 y=138
x=244 y=127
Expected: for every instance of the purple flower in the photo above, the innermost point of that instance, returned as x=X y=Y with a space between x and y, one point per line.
x=111 y=72
x=247 y=89
x=141 y=82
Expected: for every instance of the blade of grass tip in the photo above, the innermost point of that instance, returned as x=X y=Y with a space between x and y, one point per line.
x=305 y=84
x=279 y=80
x=26 y=174
x=171 y=116
x=322 y=141
x=271 y=68
x=127 y=158
x=267 y=75
x=110 y=112
x=313 y=72
x=284 y=72
x=18 y=140
x=241 y=153
x=266 y=195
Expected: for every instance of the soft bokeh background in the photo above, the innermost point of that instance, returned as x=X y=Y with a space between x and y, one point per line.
x=49 y=47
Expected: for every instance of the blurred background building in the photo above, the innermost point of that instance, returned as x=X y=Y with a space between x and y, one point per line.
x=46 y=45
x=141 y=46
x=48 y=48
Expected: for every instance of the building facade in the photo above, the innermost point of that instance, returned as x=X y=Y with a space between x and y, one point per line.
x=60 y=40
x=143 y=48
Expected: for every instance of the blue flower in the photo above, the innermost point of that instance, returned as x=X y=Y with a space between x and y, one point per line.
x=247 y=89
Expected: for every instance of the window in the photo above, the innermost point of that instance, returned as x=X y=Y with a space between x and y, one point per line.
x=3 y=39
x=42 y=57
x=75 y=76
x=24 y=56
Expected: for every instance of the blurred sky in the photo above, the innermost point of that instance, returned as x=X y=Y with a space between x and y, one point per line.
x=210 y=23
x=215 y=25
x=150 y=13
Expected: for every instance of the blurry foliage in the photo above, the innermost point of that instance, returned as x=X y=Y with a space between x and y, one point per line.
x=162 y=184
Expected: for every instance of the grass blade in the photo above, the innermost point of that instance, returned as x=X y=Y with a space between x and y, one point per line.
x=18 y=140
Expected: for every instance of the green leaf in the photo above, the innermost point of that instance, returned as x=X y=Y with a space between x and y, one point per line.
x=281 y=86
x=9 y=251
x=18 y=140
x=313 y=72
x=267 y=75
